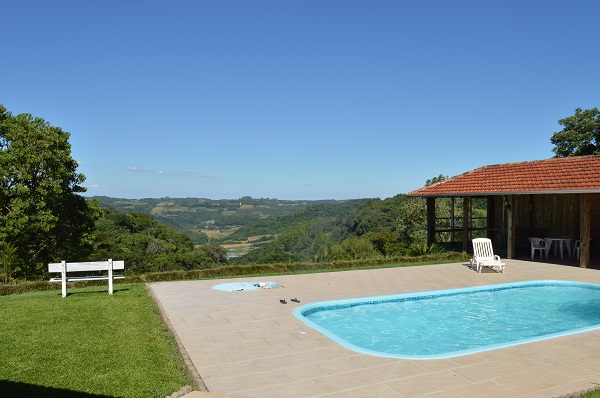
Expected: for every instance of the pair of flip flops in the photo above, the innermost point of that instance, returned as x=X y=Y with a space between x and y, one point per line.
x=295 y=300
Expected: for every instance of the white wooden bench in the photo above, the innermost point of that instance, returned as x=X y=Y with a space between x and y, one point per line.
x=64 y=268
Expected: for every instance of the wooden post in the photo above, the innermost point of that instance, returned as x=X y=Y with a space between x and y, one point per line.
x=511 y=206
x=63 y=268
x=430 y=221
x=465 y=228
x=491 y=218
x=584 y=230
x=110 y=276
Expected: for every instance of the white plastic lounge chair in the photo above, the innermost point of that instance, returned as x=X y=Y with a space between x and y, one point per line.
x=483 y=255
x=540 y=245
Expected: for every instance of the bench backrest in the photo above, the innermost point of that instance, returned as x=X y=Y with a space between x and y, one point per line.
x=482 y=248
x=86 y=266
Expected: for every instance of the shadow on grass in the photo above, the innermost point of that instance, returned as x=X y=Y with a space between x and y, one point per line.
x=77 y=291
x=16 y=389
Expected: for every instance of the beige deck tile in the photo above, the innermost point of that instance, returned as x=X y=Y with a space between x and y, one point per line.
x=200 y=336
x=254 y=325
x=243 y=355
x=229 y=384
x=486 y=389
x=509 y=367
x=334 y=366
x=299 y=389
x=436 y=364
x=337 y=394
x=227 y=337
x=205 y=359
x=587 y=383
x=237 y=369
x=245 y=344
x=377 y=390
x=372 y=375
x=246 y=319
x=338 y=382
x=415 y=386
x=528 y=382
x=304 y=357
x=266 y=379
x=366 y=361
x=274 y=350
x=445 y=379
x=570 y=371
x=256 y=393
x=556 y=356
x=409 y=369
x=310 y=344
x=476 y=373
x=466 y=360
x=553 y=392
x=208 y=372
x=336 y=352
x=199 y=330
x=248 y=341
x=591 y=362
x=302 y=372
x=272 y=363
x=256 y=333
x=281 y=338
x=211 y=348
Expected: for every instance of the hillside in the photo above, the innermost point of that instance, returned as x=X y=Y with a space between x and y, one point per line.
x=201 y=219
x=271 y=230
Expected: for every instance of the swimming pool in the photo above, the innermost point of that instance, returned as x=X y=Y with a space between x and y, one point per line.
x=448 y=323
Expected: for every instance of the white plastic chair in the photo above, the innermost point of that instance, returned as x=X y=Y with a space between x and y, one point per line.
x=538 y=244
x=576 y=249
x=483 y=255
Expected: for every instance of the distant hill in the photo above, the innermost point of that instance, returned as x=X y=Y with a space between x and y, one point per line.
x=281 y=231
x=201 y=218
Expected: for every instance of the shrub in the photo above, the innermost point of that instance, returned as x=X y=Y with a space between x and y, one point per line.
x=421 y=249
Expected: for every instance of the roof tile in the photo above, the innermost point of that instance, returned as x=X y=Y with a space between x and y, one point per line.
x=571 y=174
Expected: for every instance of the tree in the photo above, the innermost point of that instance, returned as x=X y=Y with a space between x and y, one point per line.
x=434 y=180
x=41 y=212
x=387 y=243
x=580 y=135
x=354 y=248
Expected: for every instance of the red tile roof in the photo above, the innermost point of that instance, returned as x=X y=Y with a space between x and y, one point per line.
x=556 y=175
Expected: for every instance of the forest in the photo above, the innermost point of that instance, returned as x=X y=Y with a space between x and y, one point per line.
x=284 y=231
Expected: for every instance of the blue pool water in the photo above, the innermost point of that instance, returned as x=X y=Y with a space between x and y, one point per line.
x=447 y=323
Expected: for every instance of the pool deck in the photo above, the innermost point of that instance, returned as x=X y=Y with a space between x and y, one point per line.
x=248 y=344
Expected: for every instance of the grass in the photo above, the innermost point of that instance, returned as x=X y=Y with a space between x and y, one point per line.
x=87 y=344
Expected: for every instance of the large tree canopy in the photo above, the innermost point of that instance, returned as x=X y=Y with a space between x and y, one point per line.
x=580 y=136
x=42 y=214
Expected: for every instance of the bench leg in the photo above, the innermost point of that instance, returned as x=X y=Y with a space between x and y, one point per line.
x=110 y=277
x=63 y=265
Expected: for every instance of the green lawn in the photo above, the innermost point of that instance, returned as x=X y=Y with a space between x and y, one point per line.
x=87 y=344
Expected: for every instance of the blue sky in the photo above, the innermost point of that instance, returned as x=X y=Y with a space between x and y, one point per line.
x=327 y=99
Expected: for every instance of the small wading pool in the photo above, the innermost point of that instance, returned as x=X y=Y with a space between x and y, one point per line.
x=238 y=286
x=448 y=323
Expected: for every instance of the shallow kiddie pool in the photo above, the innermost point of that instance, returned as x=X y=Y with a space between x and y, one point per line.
x=448 y=323
x=239 y=286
